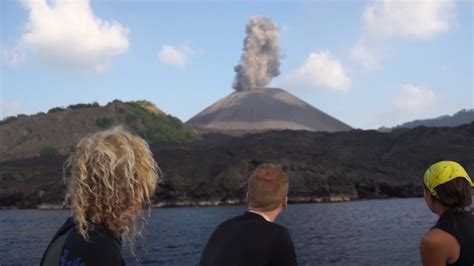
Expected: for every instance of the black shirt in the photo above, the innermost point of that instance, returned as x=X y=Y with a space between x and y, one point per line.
x=68 y=247
x=461 y=227
x=249 y=239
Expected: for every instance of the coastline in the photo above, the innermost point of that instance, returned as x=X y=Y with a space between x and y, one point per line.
x=210 y=203
x=214 y=171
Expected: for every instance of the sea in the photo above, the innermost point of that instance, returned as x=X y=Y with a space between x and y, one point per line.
x=371 y=232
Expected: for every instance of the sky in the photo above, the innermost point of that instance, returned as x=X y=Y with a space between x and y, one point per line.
x=367 y=63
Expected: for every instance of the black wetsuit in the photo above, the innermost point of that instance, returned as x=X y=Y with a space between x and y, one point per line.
x=68 y=247
x=249 y=240
x=461 y=227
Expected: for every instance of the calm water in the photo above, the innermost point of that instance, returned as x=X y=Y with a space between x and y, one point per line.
x=377 y=232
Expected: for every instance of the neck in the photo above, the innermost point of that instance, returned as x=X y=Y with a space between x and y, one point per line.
x=268 y=215
x=439 y=209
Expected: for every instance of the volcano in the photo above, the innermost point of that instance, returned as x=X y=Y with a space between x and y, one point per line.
x=265 y=109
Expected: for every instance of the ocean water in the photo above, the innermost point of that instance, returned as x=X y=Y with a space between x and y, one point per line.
x=375 y=232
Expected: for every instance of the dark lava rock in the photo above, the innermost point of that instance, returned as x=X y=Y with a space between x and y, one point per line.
x=322 y=166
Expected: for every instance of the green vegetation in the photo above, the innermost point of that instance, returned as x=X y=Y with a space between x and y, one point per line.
x=83 y=105
x=73 y=107
x=157 y=127
x=103 y=122
x=142 y=103
x=141 y=117
x=56 y=109
x=130 y=118
x=148 y=106
x=49 y=151
x=7 y=120
x=72 y=148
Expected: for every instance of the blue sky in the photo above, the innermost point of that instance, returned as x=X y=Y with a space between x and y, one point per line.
x=366 y=63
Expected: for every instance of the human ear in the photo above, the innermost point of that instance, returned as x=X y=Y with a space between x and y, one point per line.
x=285 y=203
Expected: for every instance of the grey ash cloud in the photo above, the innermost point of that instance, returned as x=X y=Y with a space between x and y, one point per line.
x=260 y=60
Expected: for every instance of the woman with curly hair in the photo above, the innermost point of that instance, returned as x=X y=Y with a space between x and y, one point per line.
x=110 y=177
x=447 y=193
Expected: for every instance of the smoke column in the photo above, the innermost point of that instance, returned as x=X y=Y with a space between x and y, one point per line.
x=260 y=61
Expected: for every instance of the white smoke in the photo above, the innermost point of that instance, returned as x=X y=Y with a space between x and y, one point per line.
x=260 y=61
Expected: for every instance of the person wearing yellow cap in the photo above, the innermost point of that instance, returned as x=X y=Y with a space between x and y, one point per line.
x=447 y=192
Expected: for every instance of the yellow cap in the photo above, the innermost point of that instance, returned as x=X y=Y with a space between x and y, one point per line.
x=442 y=172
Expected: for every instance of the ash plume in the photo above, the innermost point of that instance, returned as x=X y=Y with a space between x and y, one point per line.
x=260 y=61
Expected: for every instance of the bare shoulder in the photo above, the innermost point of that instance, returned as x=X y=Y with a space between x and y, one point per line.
x=437 y=247
x=434 y=237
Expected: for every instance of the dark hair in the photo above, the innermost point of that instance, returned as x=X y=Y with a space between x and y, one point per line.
x=455 y=194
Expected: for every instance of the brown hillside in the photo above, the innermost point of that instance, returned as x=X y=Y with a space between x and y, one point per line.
x=27 y=136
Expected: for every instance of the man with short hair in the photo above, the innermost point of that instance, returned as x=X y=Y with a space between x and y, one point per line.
x=253 y=238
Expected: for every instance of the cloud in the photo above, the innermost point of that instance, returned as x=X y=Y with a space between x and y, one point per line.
x=388 y=19
x=175 y=56
x=413 y=102
x=368 y=56
x=67 y=34
x=190 y=51
x=13 y=57
x=10 y=108
x=418 y=19
x=319 y=71
x=414 y=98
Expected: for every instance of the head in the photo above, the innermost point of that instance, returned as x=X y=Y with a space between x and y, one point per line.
x=447 y=186
x=268 y=188
x=110 y=177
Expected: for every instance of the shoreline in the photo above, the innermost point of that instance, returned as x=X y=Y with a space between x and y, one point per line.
x=206 y=203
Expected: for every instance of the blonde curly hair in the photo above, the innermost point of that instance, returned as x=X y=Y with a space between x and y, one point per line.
x=110 y=177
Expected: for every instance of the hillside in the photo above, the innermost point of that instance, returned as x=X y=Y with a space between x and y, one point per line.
x=462 y=117
x=58 y=131
x=322 y=166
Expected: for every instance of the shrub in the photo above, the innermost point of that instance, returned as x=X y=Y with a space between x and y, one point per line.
x=49 y=151
x=129 y=118
x=8 y=119
x=103 y=122
x=83 y=105
x=144 y=103
x=56 y=109
x=158 y=127
x=72 y=148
